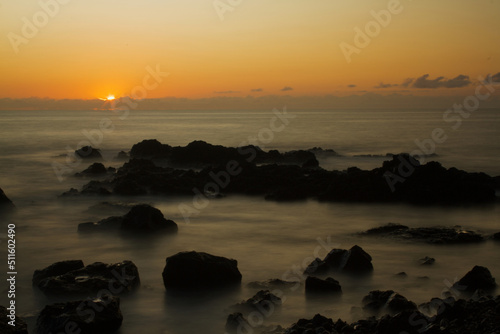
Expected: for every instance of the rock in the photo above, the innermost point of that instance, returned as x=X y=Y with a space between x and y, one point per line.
x=95 y=169
x=496 y=236
x=150 y=148
x=311 y=163
x=318 y=324
x=88 y=152
x=402 y=274
x=478 y=278
x=197 y=270
x=61 y=279
x=386 y=301
x=235 y=323
x=141 y=218
x=56 y=269
x=98 y=316
x=263 y=301
x=354 y=260
x=427 y=260
x=318 y=285
x=122 y=155
x=16 y=326
x=275 y=283
x=433 y=235
x=6 y=204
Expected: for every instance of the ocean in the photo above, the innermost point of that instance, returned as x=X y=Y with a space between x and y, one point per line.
x=269 y=239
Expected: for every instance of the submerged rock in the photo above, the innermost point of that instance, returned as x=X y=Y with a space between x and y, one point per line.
x=315 y=285
x=318 y=324
x=478 y=278
x=141 y=218
x=95 y=169
x=88 y=152
x=98 y=316
x=433 y=235
x=427 y=260
x=275 y=283
x=263 y=301
x=386 y=301
x=5 y=203
x=198 y=270
x=354 y=260
x=69 y=278
x=235 y=323
x=10 y=323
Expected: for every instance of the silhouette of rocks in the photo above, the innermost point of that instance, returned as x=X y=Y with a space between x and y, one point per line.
x=354 y=260
x=95 y=169
x=427 y=260
x=263 y=301
x=318 y=324
x=6 y=204
x=386 y=301
x=88 y=152
x=315 y=285
x=235 y=322
x=478 y=278
x=433 y=235
x=117 y=278
x=18 y=327
x=496 y=236
x=81 y=317
x=198 y=270
x=141 y=218
x=122 y=155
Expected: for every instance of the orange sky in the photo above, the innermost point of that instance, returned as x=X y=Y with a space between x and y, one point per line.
x=90 y=49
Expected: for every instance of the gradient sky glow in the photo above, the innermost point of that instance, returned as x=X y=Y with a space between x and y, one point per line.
x=94 y=48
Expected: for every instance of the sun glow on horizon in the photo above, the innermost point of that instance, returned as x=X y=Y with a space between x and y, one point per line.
x=110 y=97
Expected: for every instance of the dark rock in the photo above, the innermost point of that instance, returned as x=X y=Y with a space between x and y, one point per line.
x=98 y=316
x=427 y=260
x=193 y=270
x=390 y=228
x=70 y=193
x=122 y=155
x=88 y=152
x=10 y=323
x=235 y=323
x=478 y=278
x=402 y=274
x=150 y=148
x=311 y=163
x=117 y=278
x=407 y=321
x=318 y=285
x=95 y=169
x=386 y=301
x=318 y=324
x=95 y=188
x=263 y=301
x=496 y=236
x=354 y=260
x=5 y=203
x=56 y=269
x=141 y=218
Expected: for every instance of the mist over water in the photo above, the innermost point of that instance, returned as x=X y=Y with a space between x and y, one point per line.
x=269 y=239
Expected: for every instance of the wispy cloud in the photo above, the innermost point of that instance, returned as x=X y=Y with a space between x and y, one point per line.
x=226 y=92
x=424 y=82
x=383 y=85
x=257 y=90
x=286 y=89
x=351 y=86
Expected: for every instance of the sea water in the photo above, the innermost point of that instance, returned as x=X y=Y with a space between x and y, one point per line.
x=269 y=239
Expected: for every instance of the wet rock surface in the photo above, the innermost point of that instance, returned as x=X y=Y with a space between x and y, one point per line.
x=377 y=302
x=433 y=235
x=70 y=278
x=285 y=176
x=354 y=260
x=198 y=270
x=315 y=285
x=74 y=317
x=141 y=219
x=263 y=301
x=11 y=324
x=478 y=278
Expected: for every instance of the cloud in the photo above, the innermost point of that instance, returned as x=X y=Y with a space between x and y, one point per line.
x=226 y=92
x=257 y=90
x=351 y=86
x=495 y=78
x=286 y=89
x=424 y=82
x=407 y=82
x=383 y=85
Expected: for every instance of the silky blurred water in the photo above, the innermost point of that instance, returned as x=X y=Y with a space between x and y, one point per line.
x=269 y=240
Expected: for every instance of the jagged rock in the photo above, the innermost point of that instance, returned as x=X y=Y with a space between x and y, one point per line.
x=478 y=278
x=6 y=204
x=317 y=285
x=140 y=219
x=198 y=270
x=95 y=169
x=263 y=301
x=122 y=155
x=88 y=152
x=386 y=301
x=318 y=324
x=10 y=323
x=427 y=260
x=117 y=278
x=81 y=317
x=354 y=260
x=235 y=323
x=150 y=148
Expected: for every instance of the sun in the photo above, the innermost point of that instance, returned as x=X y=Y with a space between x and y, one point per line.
x=110 y=97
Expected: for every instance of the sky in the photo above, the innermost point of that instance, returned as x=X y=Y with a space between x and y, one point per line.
x=212 y=49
